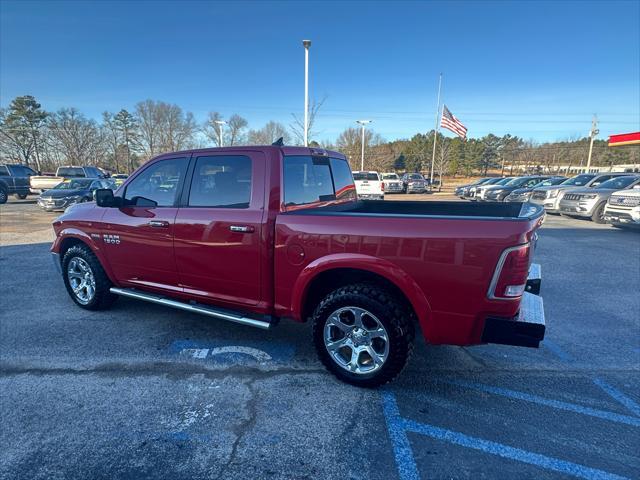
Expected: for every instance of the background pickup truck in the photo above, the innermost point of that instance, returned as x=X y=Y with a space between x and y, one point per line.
x=42 y=183
x=257 y=234
x=14 y=180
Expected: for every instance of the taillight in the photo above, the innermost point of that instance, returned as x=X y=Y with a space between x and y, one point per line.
x=382 y=186
x=510 y=277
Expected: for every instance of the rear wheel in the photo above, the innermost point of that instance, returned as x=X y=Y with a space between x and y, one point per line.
x=598 y=214
x=363 y=335
x=3 y=196
x=21 y=196
x=85 y=279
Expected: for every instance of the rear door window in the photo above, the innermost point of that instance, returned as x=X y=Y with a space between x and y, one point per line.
x=221 y=182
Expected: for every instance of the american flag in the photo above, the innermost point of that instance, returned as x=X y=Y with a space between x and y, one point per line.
x=450 y=122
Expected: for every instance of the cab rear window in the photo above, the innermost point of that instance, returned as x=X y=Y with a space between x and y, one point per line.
x=311 y=180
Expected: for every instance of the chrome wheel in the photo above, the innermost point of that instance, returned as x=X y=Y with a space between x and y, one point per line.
x=356 y=340
x=81 y=280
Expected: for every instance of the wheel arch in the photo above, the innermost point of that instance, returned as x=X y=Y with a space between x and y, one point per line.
x=333 y=271
x=71 y=237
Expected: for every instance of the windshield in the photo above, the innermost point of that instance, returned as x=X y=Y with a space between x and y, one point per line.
x=516 y=182
x=416 y=176
x=550 y=181
x=578 y=180
x=390 y=176
x=73 y=184
x=504 y=181
x=365 y=176
x=618 y=183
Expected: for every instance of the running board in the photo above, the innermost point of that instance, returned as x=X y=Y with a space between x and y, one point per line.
x=197 y=308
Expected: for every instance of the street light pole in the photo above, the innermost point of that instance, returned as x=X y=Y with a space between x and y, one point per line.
x=592 y=134
x=363 y=123
x=306 y=44
x=220 y=123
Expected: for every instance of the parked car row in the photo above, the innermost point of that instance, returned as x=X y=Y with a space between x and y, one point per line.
x=371 y=185
x=56 y=192
x=601 y=197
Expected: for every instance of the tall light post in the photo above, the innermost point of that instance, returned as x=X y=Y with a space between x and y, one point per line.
x=220 y=123
x=363 y=123
x=306 y=44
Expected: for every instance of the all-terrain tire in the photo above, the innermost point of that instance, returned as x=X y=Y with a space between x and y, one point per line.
x=102 y=297
x=395 y=316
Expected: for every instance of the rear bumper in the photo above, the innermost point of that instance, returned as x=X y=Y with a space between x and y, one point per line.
x=370 y=196
x=527 y=328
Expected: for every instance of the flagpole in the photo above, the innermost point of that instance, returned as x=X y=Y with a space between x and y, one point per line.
x=435 y=135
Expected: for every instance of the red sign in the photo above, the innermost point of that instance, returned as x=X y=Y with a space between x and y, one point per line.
x=624 y=139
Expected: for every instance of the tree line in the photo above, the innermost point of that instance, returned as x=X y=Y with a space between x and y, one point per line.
x=123 y=140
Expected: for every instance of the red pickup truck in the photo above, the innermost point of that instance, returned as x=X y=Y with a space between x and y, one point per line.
x=254 y=235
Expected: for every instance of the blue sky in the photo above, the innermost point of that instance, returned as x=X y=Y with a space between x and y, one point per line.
x=534 y=69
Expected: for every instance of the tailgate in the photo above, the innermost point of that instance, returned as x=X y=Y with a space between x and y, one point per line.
x=368 y=187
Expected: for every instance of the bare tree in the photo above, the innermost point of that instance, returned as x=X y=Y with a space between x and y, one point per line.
x=212 y=128
x=236 y=126
x=297 y=127
x=268 y=134
x=150 y=124
x=163 y=127
x=350 y=143
x=78 y=139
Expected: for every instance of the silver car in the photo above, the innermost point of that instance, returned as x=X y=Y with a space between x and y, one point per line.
x=549 y=197
x=590 y=202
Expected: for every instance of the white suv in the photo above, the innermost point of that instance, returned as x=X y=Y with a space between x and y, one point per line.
x=623 y=208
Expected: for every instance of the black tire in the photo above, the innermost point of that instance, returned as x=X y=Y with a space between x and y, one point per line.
x=21 y=196
x=3 y=196
x=102 y=298
x=598 y=213
x=396 y=318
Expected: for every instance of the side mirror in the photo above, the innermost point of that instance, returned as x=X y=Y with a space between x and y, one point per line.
x=104 y=197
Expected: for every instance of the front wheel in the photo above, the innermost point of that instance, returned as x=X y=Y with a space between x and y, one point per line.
x=3 y=196
x=85 y=279
x=598 y=214
x=363 y=335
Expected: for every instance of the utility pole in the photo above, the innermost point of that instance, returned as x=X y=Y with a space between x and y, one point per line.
x=220 y=123
x=592 y=134
x=306 y=44
x=435 y=131
x=363 y=123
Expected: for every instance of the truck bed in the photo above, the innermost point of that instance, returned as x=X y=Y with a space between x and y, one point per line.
x=488 y=211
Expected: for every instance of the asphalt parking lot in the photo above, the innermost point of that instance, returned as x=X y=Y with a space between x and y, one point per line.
x=141 y=391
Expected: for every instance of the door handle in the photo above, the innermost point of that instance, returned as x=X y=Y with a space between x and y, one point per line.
x=158 y=224
x=242 y=228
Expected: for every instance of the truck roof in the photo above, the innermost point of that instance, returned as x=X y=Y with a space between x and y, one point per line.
x=285 y=150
